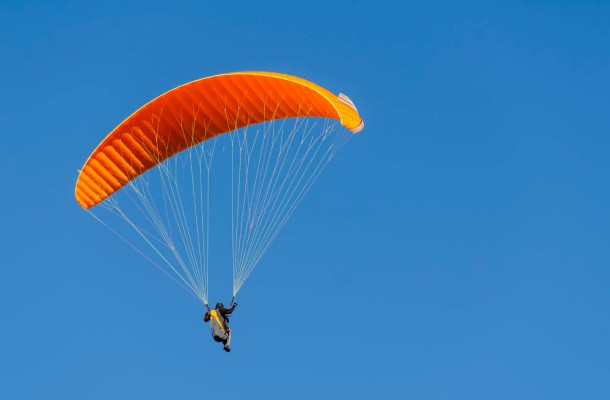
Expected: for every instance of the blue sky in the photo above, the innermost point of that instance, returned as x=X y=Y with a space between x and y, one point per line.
x=456 y=249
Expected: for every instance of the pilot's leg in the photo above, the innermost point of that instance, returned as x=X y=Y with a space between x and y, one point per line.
x=228 y=341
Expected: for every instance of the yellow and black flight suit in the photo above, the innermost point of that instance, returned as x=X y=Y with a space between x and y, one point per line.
x=219 y=323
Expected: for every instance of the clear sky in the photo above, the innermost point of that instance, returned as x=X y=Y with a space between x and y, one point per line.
x=457 y=249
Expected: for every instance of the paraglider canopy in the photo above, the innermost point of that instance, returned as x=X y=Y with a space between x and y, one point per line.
x=206 y=108
x=160 y=160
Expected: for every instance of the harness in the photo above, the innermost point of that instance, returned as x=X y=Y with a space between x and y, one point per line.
x=219 y=319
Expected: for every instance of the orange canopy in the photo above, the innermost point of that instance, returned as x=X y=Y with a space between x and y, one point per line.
x=196 y=111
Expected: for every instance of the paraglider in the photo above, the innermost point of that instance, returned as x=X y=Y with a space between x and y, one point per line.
x=158 y=179
x=219 y=322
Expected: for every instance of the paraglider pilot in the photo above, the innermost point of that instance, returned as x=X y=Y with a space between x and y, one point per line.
x=219 y=322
